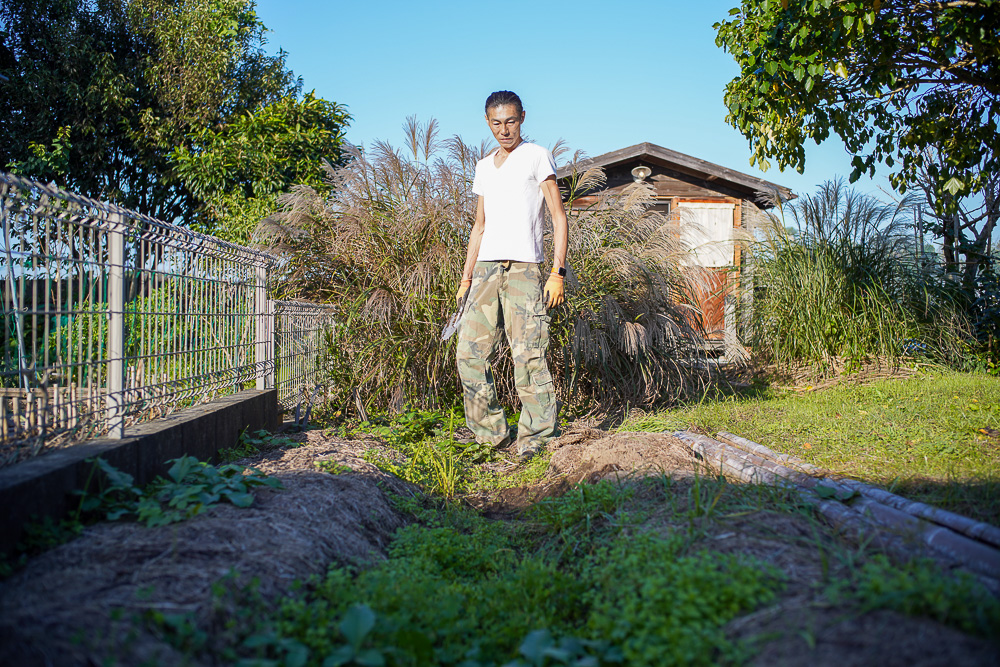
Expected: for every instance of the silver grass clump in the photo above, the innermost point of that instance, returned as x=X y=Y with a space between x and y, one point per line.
x=836 y=282
x=387 y=248
x=632 y=334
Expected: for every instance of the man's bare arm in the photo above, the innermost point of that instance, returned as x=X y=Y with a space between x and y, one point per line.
x=475 y=238
x=555 y=290
x=560 y=226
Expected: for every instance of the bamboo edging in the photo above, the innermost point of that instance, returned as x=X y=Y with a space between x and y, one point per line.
x=977 y=530
x=851 y=523
x=865 y=515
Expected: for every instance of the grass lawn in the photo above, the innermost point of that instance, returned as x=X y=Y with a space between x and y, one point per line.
x=933 y=437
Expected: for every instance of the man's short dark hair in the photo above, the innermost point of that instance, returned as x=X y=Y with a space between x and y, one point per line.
x=503 y=98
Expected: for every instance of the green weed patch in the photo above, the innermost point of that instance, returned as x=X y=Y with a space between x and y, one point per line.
x=462 y=590
x=191 y=487
x=918 y=589
x=425 y=452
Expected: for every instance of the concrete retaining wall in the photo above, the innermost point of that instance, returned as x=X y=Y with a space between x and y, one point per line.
x=43 y=486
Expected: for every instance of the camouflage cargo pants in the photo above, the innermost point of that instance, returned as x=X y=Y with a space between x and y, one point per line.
x=511 y=293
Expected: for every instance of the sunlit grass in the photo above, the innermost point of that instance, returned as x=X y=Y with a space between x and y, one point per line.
x=927 y=437
x=478 y=478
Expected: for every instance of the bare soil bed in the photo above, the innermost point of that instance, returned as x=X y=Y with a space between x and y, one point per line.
x=78 y=604
x=84 y=602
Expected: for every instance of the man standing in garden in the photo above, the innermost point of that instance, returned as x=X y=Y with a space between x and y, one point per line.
x=502 y=280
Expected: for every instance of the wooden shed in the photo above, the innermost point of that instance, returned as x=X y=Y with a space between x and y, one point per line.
x=709 y=201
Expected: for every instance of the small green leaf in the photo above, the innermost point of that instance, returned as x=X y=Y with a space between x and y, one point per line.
x=954 y=185
x=358 y=622
x=182 y=467
x=239 y=498
x=115 y=476
x=341 y=656
x=91 y=503
x=559 y=654
x=370 y=658
x=297 y=654
x=535 y=644
x=826 y=492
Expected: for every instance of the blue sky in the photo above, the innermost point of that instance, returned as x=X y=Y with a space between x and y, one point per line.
x=598 y=77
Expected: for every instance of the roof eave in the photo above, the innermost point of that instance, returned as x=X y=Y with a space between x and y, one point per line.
x=680 y=162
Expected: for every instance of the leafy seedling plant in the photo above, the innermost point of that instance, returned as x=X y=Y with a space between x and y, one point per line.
x=332 y=467
x=251 y=444
x=191 y=487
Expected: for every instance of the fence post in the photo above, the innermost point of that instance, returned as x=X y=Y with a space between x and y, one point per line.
x=116 y=327
x=264 y=348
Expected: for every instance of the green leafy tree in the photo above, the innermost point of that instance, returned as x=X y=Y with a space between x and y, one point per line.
x=240 y=169
x=207 y=51
x=120 y=98
x=891 y=78
x=71 y=104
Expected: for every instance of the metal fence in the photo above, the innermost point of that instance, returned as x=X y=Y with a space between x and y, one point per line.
x=303 y=340
x=111 y=318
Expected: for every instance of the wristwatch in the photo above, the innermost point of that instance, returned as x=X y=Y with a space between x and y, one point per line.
x=561 y=271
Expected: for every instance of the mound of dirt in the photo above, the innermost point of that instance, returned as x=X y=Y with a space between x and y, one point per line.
x=58 y=610
x=588 y=454
x=593 y=454
x=318 y=447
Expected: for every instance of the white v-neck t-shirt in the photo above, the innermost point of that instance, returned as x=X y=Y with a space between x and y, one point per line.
x=513 y=199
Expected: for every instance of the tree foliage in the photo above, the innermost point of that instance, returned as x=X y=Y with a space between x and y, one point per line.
x=158 y=105
x=69 y=107
x=892 y=78
x=966 y=225
x=239 y=169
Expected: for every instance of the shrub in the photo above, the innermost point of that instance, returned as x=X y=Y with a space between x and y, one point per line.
x=845 y=283
x=387 y=249
x=985 y=314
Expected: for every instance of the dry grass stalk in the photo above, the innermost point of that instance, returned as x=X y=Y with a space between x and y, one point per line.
x=387 y=250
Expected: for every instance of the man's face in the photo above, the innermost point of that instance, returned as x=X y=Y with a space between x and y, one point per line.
x=505 y=124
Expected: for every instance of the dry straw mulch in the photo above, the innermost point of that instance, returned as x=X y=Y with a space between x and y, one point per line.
x=592 y=454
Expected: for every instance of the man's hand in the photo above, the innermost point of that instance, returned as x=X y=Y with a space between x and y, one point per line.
x=555 y=291
x=463 y=289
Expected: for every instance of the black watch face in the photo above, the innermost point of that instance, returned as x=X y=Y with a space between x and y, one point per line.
x=562 y=271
